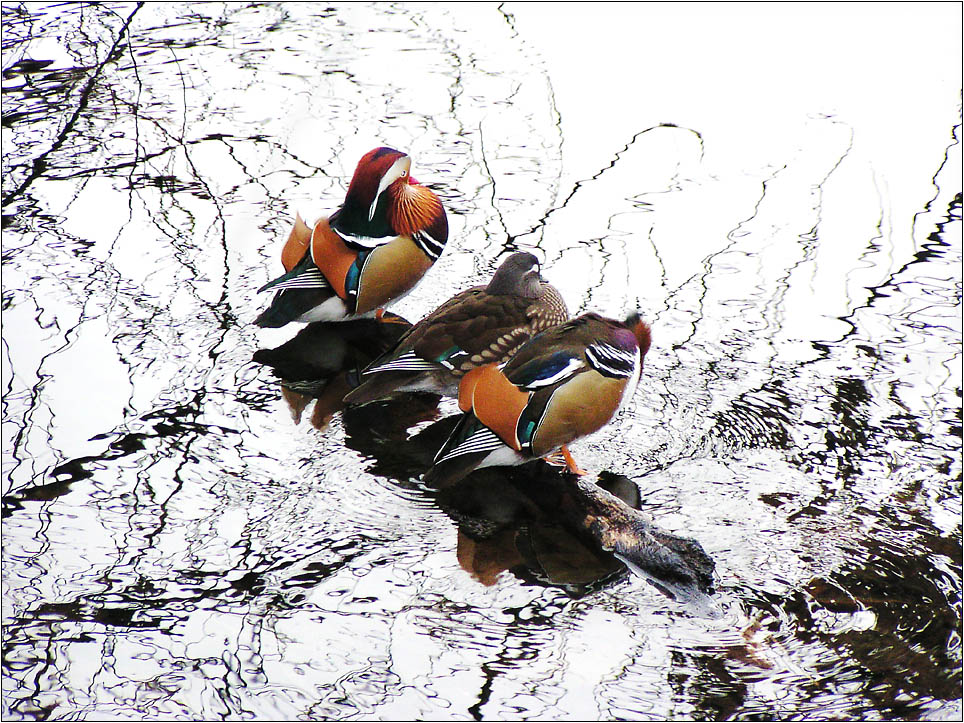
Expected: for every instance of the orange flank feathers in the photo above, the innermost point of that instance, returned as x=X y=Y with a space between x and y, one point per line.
x=467 y=388
x=331 y=255
x=328 y=252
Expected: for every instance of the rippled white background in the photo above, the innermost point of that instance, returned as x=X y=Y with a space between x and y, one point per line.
x=807 y=169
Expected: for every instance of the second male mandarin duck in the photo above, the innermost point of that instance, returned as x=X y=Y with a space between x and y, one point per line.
x=481 y=325
x=561 y=385
x=370 y=252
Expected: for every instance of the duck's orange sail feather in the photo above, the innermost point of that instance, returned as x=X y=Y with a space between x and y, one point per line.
x=331 y=255
x=496 y=402
x=297 y=244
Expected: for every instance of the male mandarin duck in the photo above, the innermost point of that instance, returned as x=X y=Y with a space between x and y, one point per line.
x=482 y=325
x=561 y=385
x=370 y=252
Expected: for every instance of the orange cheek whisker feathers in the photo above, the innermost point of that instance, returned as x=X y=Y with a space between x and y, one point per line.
x=414 y=209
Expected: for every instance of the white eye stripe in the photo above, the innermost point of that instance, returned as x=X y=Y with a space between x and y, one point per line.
x=399 y=169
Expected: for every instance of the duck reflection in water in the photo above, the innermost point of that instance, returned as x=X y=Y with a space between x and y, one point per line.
x=576 y=534
x=543 y=525
x=323 y=362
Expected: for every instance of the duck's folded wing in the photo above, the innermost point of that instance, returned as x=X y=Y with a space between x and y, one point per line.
x=406 y=362
x=303 y=276
x=466 y=448
x=475 y=439
x=480 y=329
x=549 y=369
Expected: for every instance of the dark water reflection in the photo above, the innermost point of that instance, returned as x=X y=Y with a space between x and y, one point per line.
x=182 y=536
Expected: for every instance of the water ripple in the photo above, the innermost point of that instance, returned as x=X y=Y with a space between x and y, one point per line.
x=184 y=536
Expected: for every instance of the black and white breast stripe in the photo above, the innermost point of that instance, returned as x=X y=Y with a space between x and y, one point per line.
x=483 y=440
x=310 y=279
x=432 y=248
x=611 y=361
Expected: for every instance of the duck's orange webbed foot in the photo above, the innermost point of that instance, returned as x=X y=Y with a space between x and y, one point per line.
x=562 y=458
x=571 y=463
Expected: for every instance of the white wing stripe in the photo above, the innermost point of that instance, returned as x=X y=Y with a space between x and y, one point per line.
x=407 y=362
x=311 y=279
x=571 y=368
x=484 y=440
x=367 y=242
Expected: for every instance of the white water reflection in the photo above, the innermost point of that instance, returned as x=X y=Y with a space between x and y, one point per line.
x=175 y=546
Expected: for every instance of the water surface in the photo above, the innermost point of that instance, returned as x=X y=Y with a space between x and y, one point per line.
x=777 y=190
